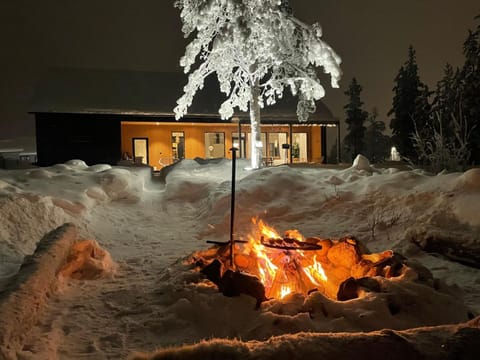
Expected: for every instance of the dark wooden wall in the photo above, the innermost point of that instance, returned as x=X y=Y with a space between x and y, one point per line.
x=323 y=136
x=93 y=138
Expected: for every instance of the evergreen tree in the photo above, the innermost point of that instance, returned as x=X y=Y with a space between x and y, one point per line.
x=470 y=98
x=354 y=140
x=257 y=50
x=422 y=113
x=407 y=109
x=446 y=100
x=332 y=154
x=377 y=144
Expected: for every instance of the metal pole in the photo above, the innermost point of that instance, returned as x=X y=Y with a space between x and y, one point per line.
x=232 y=204
x=290 y=129
x=338 y=143
x=240 y=140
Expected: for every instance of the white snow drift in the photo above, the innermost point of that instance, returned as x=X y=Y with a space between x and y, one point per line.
x=148 y=226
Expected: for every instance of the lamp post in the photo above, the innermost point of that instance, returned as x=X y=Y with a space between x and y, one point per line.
x=232 y=204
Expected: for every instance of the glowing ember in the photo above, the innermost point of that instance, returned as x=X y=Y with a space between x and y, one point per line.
x=294 y=264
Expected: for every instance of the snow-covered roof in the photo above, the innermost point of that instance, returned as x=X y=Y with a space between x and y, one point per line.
x=143 y=93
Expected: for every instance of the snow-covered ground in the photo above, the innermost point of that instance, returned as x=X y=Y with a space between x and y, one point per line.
x=149 y=225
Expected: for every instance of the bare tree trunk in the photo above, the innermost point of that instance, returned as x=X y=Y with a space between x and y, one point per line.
x=256 y=138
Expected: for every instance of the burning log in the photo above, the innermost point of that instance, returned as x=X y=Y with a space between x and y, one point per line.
x=213 y=272
x=289 y=244
x=234 y=283
x=350 y=288
x=347 y=290
x=344 y=253
x=272 y=266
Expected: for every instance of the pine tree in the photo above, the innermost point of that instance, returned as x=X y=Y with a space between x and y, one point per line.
x=447 y=96
x=422 y=113
x=470 y=98
x=354 y=140
x=407 y=110
x=377 y=144
x=257 y=50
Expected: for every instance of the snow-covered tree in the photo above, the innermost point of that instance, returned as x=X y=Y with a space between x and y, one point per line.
x=257 y=50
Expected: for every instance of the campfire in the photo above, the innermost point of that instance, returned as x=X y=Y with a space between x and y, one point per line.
x=270 y=266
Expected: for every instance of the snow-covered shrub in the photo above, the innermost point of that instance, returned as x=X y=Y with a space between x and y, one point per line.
x=437 y=150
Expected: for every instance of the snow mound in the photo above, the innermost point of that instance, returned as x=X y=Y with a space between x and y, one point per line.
x=458 y=342
x=334 y=180
x=120 y=184
x=61 y=168
x=28 y=217
x=361 y=163
x=77 y=164
x=96 y=193
x=214 y=170
x=40 y=174
x=398 y=303
x=188 y=191
x=99 y=167
x=73 y=208
x=88 y=261
x=469 y=180
x=7 y=188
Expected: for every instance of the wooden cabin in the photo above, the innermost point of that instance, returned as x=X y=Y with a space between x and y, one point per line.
x=109 y=116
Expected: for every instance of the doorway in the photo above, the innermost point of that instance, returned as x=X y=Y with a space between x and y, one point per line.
x=178 y=145
x=300 y=147
x=214 y=145
x=140 y=150
x=240 y=144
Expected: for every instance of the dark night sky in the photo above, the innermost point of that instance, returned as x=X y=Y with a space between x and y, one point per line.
x=372 y=37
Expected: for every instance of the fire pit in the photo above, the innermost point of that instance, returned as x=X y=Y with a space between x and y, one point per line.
x=270 y=266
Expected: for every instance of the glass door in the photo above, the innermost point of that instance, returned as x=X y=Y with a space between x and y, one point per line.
x=178 y=145
x=240 y=144
x=300 y=147
x=275 y=150
x=140 y=150
x=263 y=136
x=214 y=145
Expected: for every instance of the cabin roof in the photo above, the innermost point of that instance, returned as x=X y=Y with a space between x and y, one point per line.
x=149 y=94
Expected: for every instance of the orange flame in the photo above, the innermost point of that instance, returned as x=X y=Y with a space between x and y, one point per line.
x=283 y=272
x=266 y=230
x=315 y=272
x=284 y=291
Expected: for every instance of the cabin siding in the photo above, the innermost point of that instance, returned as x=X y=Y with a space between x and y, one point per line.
x=92 y=138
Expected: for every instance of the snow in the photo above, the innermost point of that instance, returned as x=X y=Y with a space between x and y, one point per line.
x=151 y=225
x=257 y=50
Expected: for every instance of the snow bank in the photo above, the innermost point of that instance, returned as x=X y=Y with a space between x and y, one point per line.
x=410 y=300
x=444 y=342
x=120 y=184
x=147 y=225
x=34 y=201
x=361 y=163
x=22 y=304
x=469 y=180
x=26 y=218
